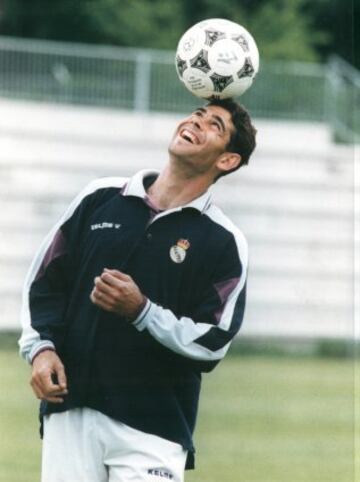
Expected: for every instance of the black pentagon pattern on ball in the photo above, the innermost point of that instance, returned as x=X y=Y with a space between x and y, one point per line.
x=247 y=69
x=214 y=97
x=200 y=61
x=220 y=82
x=213 y=36
x=181 y=65
x=189 y=44
x=241 y=40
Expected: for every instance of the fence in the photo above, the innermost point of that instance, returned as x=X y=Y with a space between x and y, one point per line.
x=146 y=80
x=295 y=207
x=343 y=100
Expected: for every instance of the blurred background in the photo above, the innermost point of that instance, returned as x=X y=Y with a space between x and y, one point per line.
x=89 y=89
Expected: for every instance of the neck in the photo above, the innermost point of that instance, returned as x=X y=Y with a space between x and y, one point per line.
x=174 y=188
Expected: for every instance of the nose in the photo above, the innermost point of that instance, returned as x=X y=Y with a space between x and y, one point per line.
x=196 y=121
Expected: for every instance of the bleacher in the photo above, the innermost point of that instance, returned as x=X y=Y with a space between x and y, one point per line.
x=294 y=202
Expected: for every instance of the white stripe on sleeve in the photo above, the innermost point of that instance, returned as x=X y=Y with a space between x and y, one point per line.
x=218 y=217
x=180 y=335
x=30 y=342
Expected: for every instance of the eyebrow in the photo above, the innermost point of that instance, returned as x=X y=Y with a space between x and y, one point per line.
x=221 y=122
x=218 y=118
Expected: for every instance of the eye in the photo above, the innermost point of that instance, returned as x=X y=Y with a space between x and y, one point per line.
x=217 y=125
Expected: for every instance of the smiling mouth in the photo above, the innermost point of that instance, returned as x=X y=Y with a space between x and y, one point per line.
x=189 y=136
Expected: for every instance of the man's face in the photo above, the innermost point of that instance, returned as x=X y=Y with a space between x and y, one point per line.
x=201 y=138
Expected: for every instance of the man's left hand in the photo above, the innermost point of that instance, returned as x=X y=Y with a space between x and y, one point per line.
x=117 y=292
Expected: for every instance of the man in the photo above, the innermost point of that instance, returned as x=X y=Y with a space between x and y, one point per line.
x=136 y=291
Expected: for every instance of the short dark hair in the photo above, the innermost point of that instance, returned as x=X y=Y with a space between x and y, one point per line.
x=243 y=139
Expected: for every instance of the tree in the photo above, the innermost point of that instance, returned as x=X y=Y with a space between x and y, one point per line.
x=145 y=23
x=340 y=18
x=65 y=20
x=283 y=29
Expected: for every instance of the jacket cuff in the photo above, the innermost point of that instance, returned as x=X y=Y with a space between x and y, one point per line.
x=38 y=347
x=144 y=317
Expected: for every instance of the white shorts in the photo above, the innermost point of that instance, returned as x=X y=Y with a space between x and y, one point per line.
x=84 y=445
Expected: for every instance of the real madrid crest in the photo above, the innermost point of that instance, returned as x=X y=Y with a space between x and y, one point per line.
x=178 y=251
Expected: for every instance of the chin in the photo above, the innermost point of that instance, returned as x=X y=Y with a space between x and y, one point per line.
x=179 y=151
x=179 y=157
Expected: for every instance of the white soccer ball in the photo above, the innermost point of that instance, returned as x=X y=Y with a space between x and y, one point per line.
x=217 y=59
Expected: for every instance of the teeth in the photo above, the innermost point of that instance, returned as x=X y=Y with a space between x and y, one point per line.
x=189 y=136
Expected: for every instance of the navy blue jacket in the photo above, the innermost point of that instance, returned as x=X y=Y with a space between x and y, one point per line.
x=190 y=262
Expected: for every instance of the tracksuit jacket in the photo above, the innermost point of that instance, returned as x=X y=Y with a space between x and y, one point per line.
x=190 y=262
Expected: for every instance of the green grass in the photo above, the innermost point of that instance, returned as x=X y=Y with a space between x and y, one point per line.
x=19 y=441
x=277 y=419
x=262 y=419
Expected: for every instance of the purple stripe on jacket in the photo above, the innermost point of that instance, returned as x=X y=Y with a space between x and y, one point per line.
x=224 y=288
x=56 y=249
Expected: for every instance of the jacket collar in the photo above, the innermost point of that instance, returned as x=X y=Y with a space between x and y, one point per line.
x=135 y=187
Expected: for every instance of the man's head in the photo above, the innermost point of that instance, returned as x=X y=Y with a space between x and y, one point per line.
x=243 y=138
x=216 y=139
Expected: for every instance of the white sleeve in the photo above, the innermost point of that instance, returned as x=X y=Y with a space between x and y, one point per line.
x=30 y=342
x=184 y=336
x=223 y=306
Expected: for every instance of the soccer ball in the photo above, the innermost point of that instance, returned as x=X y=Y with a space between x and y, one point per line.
x=216 y=59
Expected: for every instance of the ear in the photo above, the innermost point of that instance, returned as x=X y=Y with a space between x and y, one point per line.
x=228 y=161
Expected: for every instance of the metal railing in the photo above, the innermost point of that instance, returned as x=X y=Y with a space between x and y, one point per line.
x=343 y=100
x=146 y=80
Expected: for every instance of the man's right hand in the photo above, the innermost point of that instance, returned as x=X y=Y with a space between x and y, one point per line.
x=46 y=365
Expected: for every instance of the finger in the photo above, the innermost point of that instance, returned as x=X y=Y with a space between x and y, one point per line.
x=113 y=281
x=102 y=297
x=118 y=274
x=46 y=385
x=60 y=373
x=95 y=296
x=36 y=389
x=108 y=288
x=42 y=396
x=53 y=399
x=55 y=392
x=101 y=303
x=105 y=306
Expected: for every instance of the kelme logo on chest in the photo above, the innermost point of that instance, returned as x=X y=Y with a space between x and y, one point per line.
x=105 y=225
x=178 y=251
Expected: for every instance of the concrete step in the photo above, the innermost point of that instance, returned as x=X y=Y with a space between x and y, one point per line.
x=272 y=280
x=294 y=203
x=329 y=292
x=302 y=320
x=296 y=221
x=23 y=152
x=103 y=158
x=276 y=227
x=262 y=318
x=315 y=203
x=46 y=186
x=104 y=125
x=285 y=257
x=271 y=226
x=263 y=172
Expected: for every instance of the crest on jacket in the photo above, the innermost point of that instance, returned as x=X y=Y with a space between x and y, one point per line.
x=178 y=251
